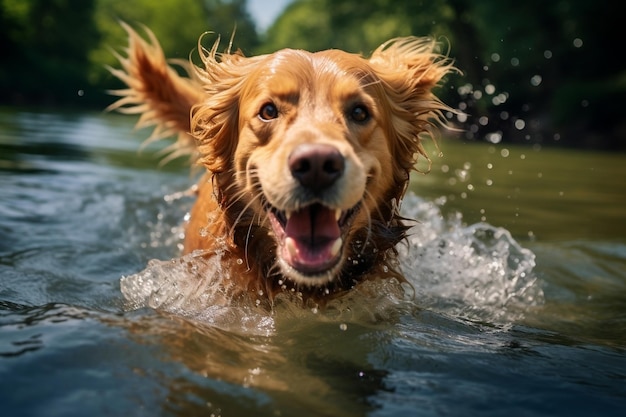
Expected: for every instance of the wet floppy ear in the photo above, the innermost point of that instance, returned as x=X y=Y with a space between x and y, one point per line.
x=411 y=66
x=409 y=69
x=215 y=121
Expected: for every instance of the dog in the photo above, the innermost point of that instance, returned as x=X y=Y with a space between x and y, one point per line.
x=307 y=155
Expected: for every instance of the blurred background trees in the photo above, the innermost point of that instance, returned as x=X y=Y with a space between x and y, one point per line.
x=533 y=71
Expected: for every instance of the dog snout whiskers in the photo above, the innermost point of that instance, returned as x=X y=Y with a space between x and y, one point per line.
x=316 y=166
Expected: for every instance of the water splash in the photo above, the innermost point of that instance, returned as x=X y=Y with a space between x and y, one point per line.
x=476 y=272
x=195 y=286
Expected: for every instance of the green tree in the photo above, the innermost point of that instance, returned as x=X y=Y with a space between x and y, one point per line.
x=357 y=26
x=45 y=50
x=532 y=71
x=178 y=24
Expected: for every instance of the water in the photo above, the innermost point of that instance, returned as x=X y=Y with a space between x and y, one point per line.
x=516 y=303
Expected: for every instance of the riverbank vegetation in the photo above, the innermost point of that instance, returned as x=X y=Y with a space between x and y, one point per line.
x=532 y=72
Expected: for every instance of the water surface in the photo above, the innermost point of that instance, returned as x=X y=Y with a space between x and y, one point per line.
x=517 y=303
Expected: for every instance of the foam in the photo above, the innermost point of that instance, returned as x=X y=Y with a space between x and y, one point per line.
x=476 y=272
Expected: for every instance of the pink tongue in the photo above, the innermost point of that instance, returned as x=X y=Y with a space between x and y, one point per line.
x=313 y=225
x=310 y=239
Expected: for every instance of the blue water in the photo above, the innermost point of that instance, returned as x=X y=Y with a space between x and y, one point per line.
x=516 y=306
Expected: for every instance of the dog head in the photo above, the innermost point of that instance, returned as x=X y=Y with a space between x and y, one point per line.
x=312 y=151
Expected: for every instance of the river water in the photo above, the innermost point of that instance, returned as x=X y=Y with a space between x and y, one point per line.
x=516 y=303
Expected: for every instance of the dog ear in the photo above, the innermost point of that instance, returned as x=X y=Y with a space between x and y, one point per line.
x=409 y=68
x=215 y=121
x=156 y=92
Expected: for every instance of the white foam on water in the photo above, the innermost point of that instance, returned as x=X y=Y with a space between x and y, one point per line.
x=476 y=272
x=178 y=287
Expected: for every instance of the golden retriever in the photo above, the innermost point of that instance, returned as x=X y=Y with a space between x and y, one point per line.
x=307 y=155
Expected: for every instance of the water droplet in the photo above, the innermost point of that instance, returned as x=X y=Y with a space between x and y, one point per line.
x=490 y=166
x=514 y=61
x=535 y=80
x=504 y=153
x=465 y=89
x=547 y=54
x=490 y=89
x=520 y=124
x=577 y=43
x=494 y=137
x=489 y=182
x=343 y=326
x=239 y=261
x=495 y=57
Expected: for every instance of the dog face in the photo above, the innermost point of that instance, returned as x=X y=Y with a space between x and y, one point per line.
x=316 y=148
x=311 y=150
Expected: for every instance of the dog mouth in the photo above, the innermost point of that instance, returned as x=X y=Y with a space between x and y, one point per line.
x=311 y=240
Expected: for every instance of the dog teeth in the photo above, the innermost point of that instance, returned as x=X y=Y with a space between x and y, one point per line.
x=337 y=214
x=334 y=250
x=287 y=214
x=290 y=244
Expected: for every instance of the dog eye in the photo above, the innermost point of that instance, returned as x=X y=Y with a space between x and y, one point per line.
x=268 y=111
x=359 y=113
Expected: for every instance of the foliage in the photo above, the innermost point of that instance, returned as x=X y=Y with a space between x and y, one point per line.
x=533 y=71
x=355 y=26
x=56 y=51
x=43 y=58
x=177 y=24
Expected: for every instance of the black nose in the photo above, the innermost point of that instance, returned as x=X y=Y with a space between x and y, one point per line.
x=316 y=166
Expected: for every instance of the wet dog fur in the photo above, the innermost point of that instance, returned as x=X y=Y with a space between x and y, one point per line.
x=306 y=155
